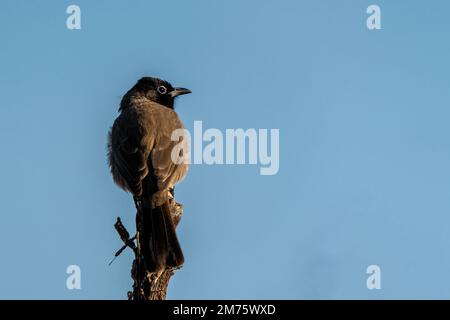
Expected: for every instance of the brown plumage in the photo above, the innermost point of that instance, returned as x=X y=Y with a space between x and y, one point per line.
x=139 y=151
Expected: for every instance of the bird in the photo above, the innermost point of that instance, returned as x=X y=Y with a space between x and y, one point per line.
x=140 y=159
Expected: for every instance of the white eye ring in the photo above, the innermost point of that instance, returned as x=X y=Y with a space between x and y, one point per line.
x=162 y=90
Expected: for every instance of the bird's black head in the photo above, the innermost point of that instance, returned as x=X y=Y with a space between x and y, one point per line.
x=158 y=90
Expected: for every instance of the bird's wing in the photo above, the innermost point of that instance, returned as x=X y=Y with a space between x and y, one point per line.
x=126 y=155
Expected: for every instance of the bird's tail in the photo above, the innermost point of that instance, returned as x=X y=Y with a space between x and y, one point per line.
x=159 y=242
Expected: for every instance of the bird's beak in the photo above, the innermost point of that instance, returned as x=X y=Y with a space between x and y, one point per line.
x=179 y=91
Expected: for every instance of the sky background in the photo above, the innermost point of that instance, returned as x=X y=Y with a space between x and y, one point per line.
x=364 y=146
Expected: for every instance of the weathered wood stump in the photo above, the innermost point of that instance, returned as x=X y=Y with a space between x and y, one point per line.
x=147 y=285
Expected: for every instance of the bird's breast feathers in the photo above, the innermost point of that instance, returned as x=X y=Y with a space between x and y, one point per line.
x=159 y=123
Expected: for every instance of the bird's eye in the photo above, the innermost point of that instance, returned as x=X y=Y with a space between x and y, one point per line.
x=162 y=90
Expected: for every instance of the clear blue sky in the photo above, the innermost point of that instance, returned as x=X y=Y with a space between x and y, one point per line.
x=364 y=153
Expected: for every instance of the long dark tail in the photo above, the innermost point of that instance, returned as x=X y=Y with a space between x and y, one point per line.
x=159 y=245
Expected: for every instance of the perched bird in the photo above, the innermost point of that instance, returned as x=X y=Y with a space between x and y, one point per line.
x=139 y=152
